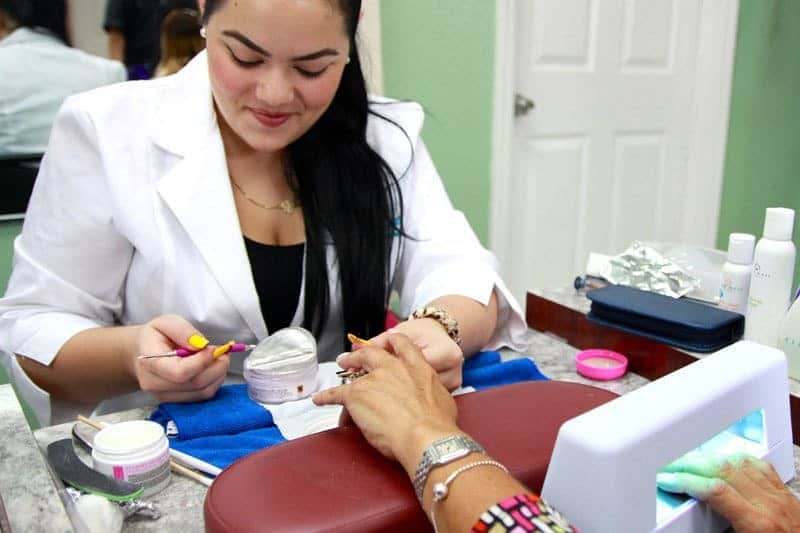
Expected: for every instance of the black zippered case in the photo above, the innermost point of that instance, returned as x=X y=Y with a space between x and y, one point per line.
x=678 y=322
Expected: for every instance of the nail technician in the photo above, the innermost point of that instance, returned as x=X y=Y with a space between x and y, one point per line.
x=257 y=188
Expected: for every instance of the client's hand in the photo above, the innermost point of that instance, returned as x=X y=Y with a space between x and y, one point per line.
x=400 y=406
x=441 y=352
x=743 y=489
x=177 y=379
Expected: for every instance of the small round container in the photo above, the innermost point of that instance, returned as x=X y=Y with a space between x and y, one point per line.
x=602 y=365
x=283 y=367
x=135 y=451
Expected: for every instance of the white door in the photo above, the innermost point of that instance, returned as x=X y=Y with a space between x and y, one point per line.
x=615 y=148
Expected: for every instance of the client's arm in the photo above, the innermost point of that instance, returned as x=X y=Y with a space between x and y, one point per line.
x=402 y=407
x=403 y=388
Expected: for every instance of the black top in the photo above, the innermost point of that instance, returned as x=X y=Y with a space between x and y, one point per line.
x=278 y=275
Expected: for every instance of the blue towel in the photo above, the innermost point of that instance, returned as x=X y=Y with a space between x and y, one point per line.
x=229 y=412
x=222 y=450
x=229 y=426
x=485 y=370
x=481 y=359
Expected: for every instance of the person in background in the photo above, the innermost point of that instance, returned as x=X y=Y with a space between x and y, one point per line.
x=403 y=410
x=134 y=32
x=180 y=40
x=39 y=70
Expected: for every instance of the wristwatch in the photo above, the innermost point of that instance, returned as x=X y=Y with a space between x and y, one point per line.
x=440 y=452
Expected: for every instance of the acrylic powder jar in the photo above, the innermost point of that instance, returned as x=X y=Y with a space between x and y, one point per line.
x=283 y=367
x=135 y=451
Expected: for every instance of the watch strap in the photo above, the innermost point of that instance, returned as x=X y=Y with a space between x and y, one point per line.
x=431 y=458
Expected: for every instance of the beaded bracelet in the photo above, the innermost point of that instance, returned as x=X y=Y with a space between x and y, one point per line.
x=523 y=512
x=440 y=315
x=441 y=490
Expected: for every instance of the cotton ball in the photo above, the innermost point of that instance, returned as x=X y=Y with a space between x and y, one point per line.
x=98 y=514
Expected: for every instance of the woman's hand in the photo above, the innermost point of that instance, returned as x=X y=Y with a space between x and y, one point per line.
x=743 y=489
x=441 y=352
x=177 y=379
x=401 y=406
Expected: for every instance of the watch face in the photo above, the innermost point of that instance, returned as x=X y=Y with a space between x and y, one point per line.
x=450 y=450
x=449 y=447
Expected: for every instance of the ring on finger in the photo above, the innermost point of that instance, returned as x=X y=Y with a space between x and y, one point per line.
x=352 y=374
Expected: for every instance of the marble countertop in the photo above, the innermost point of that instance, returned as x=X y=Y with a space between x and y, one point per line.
x=180 y=503
x=31 y=496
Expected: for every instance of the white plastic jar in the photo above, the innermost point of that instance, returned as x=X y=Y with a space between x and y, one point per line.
x=283 y=367
x=136 y=451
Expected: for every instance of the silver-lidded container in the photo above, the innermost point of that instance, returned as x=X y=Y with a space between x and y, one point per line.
x=282 y=367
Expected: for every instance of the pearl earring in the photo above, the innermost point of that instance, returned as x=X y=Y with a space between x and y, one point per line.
x=203 y=32
x=347 y=61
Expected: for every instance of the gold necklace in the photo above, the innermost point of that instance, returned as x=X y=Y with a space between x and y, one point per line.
x=287 y=206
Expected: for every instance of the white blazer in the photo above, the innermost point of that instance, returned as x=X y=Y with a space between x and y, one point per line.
x=37 y=71
x=132 y=216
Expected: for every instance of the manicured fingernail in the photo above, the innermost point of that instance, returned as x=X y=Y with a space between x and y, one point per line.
x=353 y=339
x=222 y=350
x=197 y=341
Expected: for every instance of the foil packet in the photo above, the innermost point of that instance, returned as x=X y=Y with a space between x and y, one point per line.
x=644 y=268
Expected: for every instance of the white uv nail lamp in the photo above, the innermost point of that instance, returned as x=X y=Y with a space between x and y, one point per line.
x=602 y=475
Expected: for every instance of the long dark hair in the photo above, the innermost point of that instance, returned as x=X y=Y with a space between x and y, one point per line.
x=351 y=200
x=50 y=15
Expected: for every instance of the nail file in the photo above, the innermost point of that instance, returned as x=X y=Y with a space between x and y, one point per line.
x=83 y=435
x=76 y=473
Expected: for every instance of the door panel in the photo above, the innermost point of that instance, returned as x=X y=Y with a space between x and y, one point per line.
x=602 y=158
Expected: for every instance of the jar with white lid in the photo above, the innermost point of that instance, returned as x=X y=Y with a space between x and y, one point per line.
x=135 y=451
x=282 y=367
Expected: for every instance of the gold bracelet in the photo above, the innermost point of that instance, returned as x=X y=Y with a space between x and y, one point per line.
x=441 y=490
x=440 y=315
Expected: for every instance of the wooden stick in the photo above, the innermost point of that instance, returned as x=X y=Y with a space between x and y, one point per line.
x=188 y=472
x=176 y=467
x=90 y=422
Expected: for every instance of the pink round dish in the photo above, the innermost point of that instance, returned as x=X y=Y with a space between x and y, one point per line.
x=601 y=365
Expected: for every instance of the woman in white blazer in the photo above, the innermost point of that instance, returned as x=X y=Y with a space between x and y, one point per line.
x=172 y=211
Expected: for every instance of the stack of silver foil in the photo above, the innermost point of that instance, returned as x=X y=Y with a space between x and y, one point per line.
x=644 y=268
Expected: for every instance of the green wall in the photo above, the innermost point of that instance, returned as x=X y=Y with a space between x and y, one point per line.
x=8 y=231
x=441 y=54
x=762 y=166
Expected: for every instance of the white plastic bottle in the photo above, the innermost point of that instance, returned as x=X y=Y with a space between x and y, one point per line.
x=736 y=271
x=789 y=338
x=771 y=282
